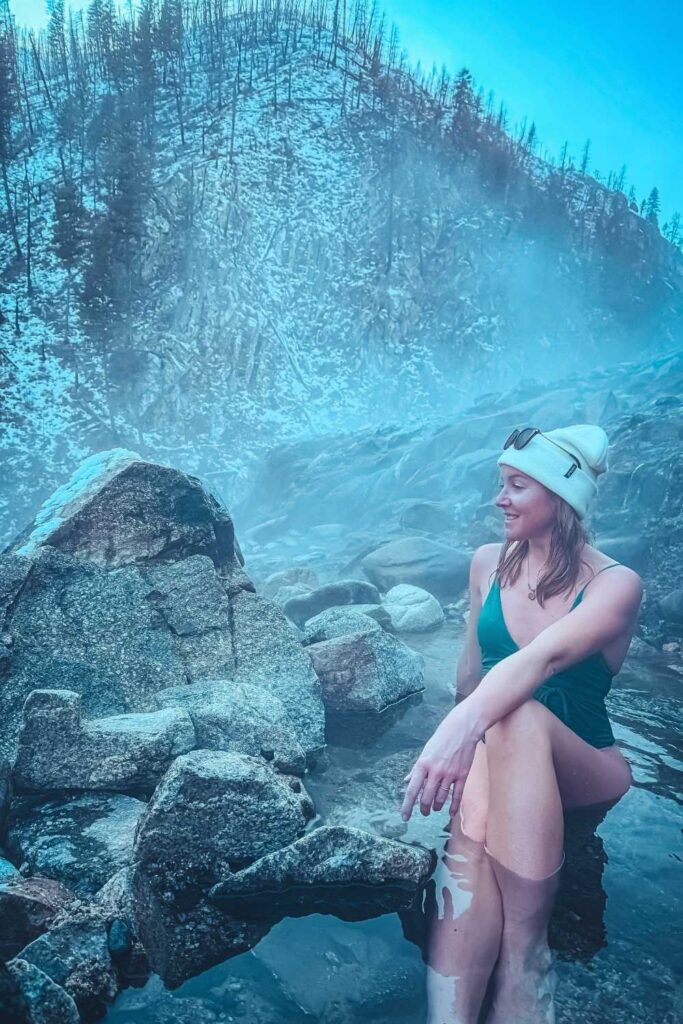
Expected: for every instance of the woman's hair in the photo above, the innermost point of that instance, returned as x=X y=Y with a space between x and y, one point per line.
x=564 y=563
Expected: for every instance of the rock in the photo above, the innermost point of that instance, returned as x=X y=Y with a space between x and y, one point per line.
x=331 y=870
x=57 y=750
x=441 y=570
x=344 y=592
x=27 y=908
x=5 y=792
x=633 y=551
x=268 y=656
x=297 y=575
x=76 y=627
x=191 y=599
x=289 y=592
x=242 y=718
x=7 y=870
x=366 y=671
x=413 y=609
x=74 y=954
x=671 y=606
x=337 y=622
x=14 y=1006
x=78 y=840
x=117 y=902
x=213 y=812
x=44 y=1002
x=430 y=516
x=117 y=509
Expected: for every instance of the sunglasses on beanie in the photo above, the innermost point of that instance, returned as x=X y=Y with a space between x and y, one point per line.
x=520 y=439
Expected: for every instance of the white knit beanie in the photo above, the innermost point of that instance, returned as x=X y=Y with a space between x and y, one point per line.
x=543 y=460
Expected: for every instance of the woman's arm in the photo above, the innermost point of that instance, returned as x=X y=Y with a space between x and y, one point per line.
x=469 y=669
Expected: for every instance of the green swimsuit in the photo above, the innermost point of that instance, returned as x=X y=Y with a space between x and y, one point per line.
x=576 y=695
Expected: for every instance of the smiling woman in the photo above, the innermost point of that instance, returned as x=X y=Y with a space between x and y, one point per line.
x=533 y=737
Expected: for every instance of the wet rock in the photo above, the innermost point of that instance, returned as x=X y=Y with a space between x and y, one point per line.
x=366 y=671
x=331 y=870
x=413 y=609
x=441 y=570
x=289 y=592
x=27 y=908
x=35 y=998
x=242 y=718
x=5 y=792
x=267 y=655
x=80 y=841
x=74 y=954
x=337 y=622
x=58 y=750
x=76 y=627
x=343 y=592
x=213 y=812
x=7 y=870
x=118 y=509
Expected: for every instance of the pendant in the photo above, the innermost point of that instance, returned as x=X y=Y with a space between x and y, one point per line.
x=531 y=595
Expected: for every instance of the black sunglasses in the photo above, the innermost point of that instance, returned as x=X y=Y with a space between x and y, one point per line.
x=521 y=438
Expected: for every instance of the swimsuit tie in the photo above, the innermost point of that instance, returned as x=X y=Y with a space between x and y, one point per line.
x=554 y=691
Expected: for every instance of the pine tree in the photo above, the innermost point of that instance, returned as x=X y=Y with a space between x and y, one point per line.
x=652 y=207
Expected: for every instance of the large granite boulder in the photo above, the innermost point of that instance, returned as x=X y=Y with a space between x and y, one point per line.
x=79 y=840
x=413 y=609
x=443 y=571
x=127 y=753
x=428 y=516
x=366 y=671
x=298 y=575
x=239 y=717
x=70 y=625
x=27 y=909
x=214 y=812
x=331 y=595
x=267 y=655
x=118 y=509
x=331 y=870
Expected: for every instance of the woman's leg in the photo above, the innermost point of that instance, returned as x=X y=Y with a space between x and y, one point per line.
x=465 y=928
x=536 y=765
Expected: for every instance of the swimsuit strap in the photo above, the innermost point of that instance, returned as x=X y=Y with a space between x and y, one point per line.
x=597 y=574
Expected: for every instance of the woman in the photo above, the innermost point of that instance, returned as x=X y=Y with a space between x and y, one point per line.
x=532 y=737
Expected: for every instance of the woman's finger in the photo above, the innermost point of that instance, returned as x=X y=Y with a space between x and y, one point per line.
x=411 y=793
x=458 y=787
x=430 y=791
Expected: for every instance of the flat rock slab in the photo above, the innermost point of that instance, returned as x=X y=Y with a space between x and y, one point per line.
x=366 y=671
x=127 y=753
x=441 y=570
x=79 y=840
x=331 y=870
x=241 y=718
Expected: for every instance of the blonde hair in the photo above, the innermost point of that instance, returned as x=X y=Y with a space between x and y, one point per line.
x=563 y=568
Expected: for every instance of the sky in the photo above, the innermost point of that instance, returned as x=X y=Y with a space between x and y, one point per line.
x=605 y=70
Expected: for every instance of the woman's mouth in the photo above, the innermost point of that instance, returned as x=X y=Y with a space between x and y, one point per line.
x=509 y=518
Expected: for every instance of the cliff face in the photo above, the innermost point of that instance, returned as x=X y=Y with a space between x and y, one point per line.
x=267 y=228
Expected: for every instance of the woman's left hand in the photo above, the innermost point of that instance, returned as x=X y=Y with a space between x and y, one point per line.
x=445 y=761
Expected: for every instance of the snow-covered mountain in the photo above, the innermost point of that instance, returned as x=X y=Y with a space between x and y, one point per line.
x=230 y=226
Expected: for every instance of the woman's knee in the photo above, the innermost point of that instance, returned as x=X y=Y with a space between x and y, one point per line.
x=526 y=723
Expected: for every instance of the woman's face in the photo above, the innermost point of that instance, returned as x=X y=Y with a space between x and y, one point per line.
x=532 y=508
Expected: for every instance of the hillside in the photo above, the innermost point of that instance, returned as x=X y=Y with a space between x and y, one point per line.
x=224 y=232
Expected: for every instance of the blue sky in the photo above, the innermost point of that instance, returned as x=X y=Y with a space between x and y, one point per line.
x=608 y=70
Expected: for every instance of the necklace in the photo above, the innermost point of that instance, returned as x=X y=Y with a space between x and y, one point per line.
x=532 y=590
